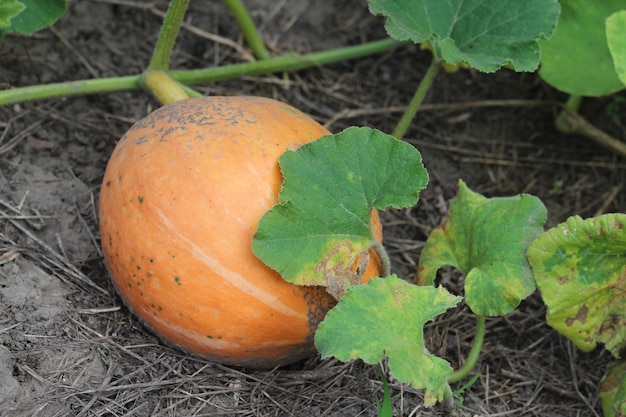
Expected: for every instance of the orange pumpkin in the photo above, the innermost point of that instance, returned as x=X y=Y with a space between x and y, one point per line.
x=180 y=201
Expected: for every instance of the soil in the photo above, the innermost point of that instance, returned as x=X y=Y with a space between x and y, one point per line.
x=68 y=346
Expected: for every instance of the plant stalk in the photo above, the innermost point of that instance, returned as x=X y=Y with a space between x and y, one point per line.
x=287 y=62
x=562 y=122
x=385 y=262
x=474 y=353
x=580 y=126
x=168 y=34
x=418 y=98
x=248 y=28
x=190 y=77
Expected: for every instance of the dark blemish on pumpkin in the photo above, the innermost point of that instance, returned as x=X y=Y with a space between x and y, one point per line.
x=138 y=268
x=110 y=241
x=616 y=225
x=108 y=183
x=581 y=316
x=562 y=280
x=601 y=232
x=140 y=199
x=177 y=280
x=151 y=260
x=140 y=140
x=129 y=285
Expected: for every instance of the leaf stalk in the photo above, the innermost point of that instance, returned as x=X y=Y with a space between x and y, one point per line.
x=474 y=353
x=418 y=98
x=168 y=34
x=248 y=28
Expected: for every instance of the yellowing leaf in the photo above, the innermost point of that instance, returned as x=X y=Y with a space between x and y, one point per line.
x=580 y=269
x=486 y=239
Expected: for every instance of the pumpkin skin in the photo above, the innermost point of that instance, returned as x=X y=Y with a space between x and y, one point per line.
x=181 y=198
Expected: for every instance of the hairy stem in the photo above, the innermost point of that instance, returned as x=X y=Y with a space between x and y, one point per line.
x=385 y=262
x=168 y=34
x=474 y=352
x=191 y=77
x=248 y=28
x=287 y=62
x=418 y=98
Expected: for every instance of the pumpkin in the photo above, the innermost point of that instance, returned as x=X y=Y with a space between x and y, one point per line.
x=181 y=198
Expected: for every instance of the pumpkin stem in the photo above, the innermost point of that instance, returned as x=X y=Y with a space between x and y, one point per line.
x=164 y=88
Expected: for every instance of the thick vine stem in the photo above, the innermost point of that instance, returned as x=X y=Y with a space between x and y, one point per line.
x=248 y=28
x=287 y=62
x=168 y=34
x=201 y=76
x=163 y=87
x=474 y=353
x=418 y=98
x=570 y=121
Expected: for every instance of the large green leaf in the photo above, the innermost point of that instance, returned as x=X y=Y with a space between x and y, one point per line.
x=576 y=59
x=580 y=269
x=486 y=239
x=487 y=34
x=612 y=390
x=616 y=37
x=386 y=318
x=322 y=222
x=37 y=15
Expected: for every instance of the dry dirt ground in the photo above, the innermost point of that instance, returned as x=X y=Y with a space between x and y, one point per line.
x=68 y=347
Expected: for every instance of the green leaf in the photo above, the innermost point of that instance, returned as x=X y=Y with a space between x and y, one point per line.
x=486 y=239
x=576 y=59
x=615 y=34
x=37 y=15
x=322 y=222
x=386 y=318
x=487 y=34
x=580 y=269
x=612 y=391
x=8 y=10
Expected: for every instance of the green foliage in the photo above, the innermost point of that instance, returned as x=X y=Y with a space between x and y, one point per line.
x=385 y=408
x=29 y=16
x=386 y=318
x=580 y=269
x=616 y=37
x=322 y=222
x=8 y=10
x=612 y=390
x=486 y=239
x=487 y=34
x=576 y=59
